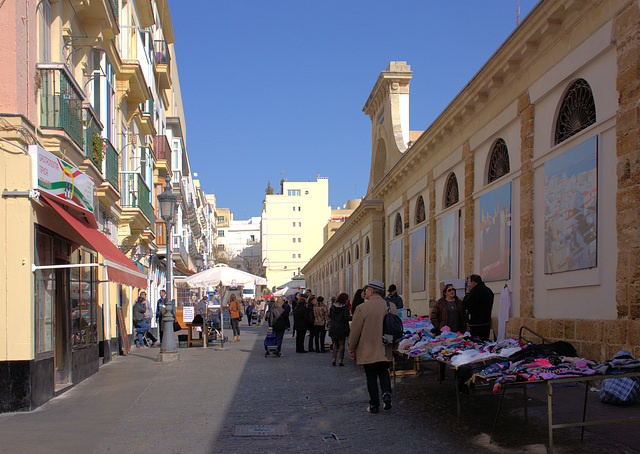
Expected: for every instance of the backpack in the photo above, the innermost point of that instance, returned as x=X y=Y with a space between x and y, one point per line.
x=392 y=329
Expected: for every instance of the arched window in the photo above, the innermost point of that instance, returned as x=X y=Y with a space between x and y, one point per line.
x=367 y=249
x=577 y=112
x=331 y=268
x=357 y=252
x=341 y=262
x=421 y=214
x=348 y=258
x=499 y=161
x=397 y=230
x=451 y=191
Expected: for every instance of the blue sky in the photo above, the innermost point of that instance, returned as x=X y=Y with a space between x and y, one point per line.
x=273 y=88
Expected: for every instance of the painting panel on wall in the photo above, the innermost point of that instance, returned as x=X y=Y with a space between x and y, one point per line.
x=347 y=281
x=365 y=270
x=571 y=209
x=418 y=259
x=495 y=234
x=396 y=251
x=448 y=245
x=356 y=276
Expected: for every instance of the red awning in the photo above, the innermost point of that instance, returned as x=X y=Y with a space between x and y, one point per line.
x=119 y=268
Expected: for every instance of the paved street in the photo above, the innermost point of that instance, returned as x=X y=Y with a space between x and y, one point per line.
x=134 y=404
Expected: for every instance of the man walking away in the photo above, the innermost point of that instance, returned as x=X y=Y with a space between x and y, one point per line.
x=367 y=348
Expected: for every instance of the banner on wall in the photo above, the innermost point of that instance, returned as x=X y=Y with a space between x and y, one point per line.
x=396 y=251
x=495 y=234
x=418 y=259
x=571 y=209
x=448 y=245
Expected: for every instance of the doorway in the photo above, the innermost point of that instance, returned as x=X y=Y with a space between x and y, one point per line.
x=62 y=327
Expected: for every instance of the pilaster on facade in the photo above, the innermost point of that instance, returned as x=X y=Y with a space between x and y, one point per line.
x=469 y=208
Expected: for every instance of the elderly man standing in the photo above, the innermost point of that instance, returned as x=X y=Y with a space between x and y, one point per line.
x=367 y=348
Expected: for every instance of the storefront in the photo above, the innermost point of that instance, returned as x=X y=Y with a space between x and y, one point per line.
x=72 y=264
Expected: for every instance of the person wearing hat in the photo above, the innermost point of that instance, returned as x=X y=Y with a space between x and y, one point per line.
x=394 y=298
x=366 y=346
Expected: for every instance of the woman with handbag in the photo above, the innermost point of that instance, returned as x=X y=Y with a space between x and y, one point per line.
x=339 y=327
x=235 y=314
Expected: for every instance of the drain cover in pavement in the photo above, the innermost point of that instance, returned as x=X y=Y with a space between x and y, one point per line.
x=261 y=430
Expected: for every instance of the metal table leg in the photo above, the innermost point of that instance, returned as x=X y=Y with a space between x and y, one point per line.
x=550 y=415
x=495 y=421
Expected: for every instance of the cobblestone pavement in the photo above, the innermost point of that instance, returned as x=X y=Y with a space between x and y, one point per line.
x=200 y=403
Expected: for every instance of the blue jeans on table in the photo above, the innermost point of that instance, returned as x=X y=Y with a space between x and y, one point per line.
x=141 y=328
x=375 y=371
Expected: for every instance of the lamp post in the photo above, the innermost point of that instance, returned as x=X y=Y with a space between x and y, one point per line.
x=168 y=349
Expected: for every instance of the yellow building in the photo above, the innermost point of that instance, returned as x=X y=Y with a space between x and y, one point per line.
x=529 y=178
x=292 y=229
x=86 y=138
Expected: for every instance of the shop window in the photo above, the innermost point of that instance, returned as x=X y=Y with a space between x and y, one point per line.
x=84 y=299
x=397 y=230
x=499 y=161
x=421 y=214
x=451 y=191
x=577 y=112
x=45 y=293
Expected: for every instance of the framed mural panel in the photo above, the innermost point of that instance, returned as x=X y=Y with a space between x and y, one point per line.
x=365 y=270
x=347 y=281
x=396 y=251
x=418 y=259
x=571 y=209
x=495 y=234
x=448 y=245
x=356 y=276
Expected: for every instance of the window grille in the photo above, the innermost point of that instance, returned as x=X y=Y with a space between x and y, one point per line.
x=398 y=225
x=421 y=214
x=451 y=191
x=499 y=161
x=577 y=112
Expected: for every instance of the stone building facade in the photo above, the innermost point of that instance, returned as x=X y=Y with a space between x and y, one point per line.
x=529 y=177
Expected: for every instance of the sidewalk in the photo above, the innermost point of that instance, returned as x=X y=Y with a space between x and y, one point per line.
x=134 y=404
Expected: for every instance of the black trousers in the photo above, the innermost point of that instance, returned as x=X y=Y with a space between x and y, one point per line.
x=375 y=372
x=300 y=333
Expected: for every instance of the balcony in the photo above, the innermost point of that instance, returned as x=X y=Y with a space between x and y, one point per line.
x=180 y=255
x=147 y=126
x=162 y=63
x=163 y=154
x=111 y=165
x=135 y=201
x=94 y=146
x=60 y=101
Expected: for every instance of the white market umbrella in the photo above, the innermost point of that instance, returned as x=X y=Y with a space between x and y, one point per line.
x=221 y=274
x=284 y=291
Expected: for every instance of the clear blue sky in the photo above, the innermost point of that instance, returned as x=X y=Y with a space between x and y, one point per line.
x=272 y=87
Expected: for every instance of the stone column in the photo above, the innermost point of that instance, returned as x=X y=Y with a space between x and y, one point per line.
x=527 y=116
x=469 y=209
x=431 y=250
x=626 y=30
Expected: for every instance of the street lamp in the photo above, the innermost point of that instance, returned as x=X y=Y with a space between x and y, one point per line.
x=199 y=261
x=167 y=204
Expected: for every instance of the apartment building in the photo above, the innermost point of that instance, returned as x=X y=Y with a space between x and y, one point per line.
x=292 y=228
x=91 y=125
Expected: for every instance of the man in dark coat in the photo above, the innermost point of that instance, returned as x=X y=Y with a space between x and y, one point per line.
x=478 y=302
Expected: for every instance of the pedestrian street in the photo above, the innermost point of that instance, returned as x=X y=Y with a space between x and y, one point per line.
x=235 y=400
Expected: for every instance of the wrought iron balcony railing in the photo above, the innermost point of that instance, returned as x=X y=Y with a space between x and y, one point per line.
x=60 y=100
x=162 y=55
x=111 y=165
x=135 y=194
